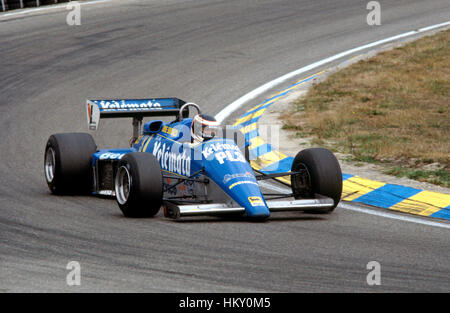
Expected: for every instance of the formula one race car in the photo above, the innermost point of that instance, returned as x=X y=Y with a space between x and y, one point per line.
x=190 y=166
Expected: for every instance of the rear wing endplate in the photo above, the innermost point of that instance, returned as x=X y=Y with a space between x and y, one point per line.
x=134 y=108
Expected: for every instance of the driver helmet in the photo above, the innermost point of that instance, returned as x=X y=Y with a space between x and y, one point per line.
x=203 y=127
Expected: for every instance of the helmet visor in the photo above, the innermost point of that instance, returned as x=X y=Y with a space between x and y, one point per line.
x=204 y=129
x=209 y=131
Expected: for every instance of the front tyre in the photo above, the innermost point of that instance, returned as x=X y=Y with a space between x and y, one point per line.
x=67 y=163
x=139 y=185
x=320 y=173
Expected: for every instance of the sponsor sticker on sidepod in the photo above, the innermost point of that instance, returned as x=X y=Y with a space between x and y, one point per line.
x=178 y=163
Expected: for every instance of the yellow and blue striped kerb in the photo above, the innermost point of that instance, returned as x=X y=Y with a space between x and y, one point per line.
x=356 y=189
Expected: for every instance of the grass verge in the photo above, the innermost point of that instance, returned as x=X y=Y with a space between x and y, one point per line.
x=391 y=109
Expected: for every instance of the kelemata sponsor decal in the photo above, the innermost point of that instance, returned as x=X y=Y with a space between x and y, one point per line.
x=178 y=163
x=222 y=152
x=125 y=105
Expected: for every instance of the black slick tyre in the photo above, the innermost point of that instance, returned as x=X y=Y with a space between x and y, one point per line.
x=139 y=185
x=67 y=163
x=321 y=175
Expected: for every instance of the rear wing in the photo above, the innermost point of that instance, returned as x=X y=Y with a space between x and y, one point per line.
x=134 y=108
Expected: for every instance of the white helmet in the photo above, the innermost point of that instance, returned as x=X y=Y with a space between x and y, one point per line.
x=204 y=127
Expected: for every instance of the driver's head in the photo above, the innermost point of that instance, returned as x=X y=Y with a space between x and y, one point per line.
x=203 y=127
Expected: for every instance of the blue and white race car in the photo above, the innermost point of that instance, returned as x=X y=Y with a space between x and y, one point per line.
x=190 y=166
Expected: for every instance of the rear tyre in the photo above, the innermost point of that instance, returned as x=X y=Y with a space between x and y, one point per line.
x=67 y=163
x=139 y=185
x=321 y=174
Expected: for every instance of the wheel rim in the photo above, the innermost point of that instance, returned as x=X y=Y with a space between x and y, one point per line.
x=123 y=185
x=301 y=182
x=49 y=166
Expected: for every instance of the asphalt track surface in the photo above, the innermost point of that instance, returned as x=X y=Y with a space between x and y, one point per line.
x=210 y=52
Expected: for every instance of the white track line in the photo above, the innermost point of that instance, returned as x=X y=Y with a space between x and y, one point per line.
x=50 y=7
x=353 y=207
x=222 y=115
x=357 y=208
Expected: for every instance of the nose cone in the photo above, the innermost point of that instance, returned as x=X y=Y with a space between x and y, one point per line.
x=227 y=167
